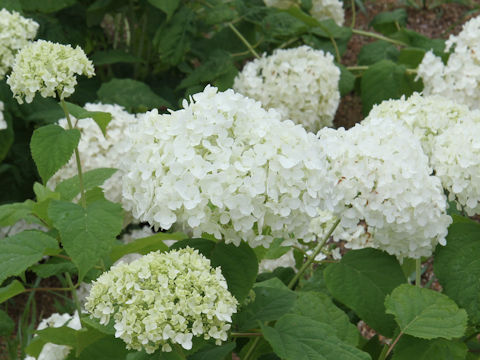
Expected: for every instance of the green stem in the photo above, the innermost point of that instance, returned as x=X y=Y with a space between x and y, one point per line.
x=359 y=67
x=74 y=293
x=418 y=272
x=312 y=257
x=378 y=36
x=252 y=348
x=77 y=157
x=352 y=25
x=235 y=334
x=393 y=344
x=245 y=41
x=383 y=354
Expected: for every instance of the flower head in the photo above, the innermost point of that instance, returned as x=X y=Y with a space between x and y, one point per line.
x=300 y=83
x=15 y=33
x=164 y=299
x=226 y=167
x=384 y=192
x=48 y=68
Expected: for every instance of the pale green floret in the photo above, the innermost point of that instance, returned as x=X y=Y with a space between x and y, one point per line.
x=163 y=299
x=48 y=68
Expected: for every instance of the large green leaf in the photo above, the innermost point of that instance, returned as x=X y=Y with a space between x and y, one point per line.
x=101 y=118
x=167 y=6
x=6 y=324
x=389 y=22
x=131 y=94
x=87 y=234
x=52 y=146
x=425 y=313
x=361 y=280
x=297 y=337
x=214 y=353
x=70 y=188
x=11 y=290
x=20 y=251
x=11 y=213
x=319 y=307
x=457 y=266
x=409 y=348
x=46 y=6
x=377 y=51
x=282 y=24
x=113 y=57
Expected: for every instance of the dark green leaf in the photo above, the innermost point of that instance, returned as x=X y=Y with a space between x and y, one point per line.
x=101 y=118
x=297 y=337
x=20 y=251
x=11 y=290
x=409 y=348
x=11 y=5
x=131 y=94
x=347 y=80
x=52 y=146
x=167 y=6
x=109 y=57
x=425 y=313
x=457 y=265
x=70 y=188
x=377 y=51
x=411 y=57
x=54 y=266
x=361 y=280
x=46 y=6
x=6 y=137
x=87 y=234
x=282 y=24
x=214 y=353
x=6 y=324
x=389 y=22
x=204 y=246
x=417 y=40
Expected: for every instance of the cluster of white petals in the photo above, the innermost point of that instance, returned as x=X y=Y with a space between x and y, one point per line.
x=98 y=151
x=225 y=166
x=449 y=133
x=459 y=79
x=53 y=351
x=321 y=9
x=3 y=122
x=15 y=32
x=49 y=68
x=384 y=192
x=164 y=299
x=301 y=83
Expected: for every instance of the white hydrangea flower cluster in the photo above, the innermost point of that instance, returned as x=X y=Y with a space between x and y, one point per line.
x=15 y=33
x=435 y=121
x=53 y=351
x=301 y=83
x=226 y=167
x=3 y=122
x=97 y=151
x=321 y=9
x=49 y=68
x=459 y=79
x=164 y=299
x=384 y=192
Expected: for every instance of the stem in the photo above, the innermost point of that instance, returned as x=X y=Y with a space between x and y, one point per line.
x=245 y=41
x=352 y=25
x=47 y=289
x=393 y=344
x=383 y=354
x=334 y=43
x=378 y=36
x=312 y=257
x=235 y=334
x=418 y=272
x=74 y=293
x=359 y=67
x=77 y=157
x=252 y=348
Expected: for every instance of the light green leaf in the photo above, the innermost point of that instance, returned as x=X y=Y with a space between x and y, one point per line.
x=167 y=6
x=361 y=280
x=70 y=188
x=6 y=324
x=131 y=94
x=319 y=307
x=409 y=348
x=20 y=251
x=101 y=118
x=52 y=146
x=11 y=290
x=145 y=245
x=87 y=234
x=12 y=213
x=457 y=266
x=297 y=337
x=425 y=313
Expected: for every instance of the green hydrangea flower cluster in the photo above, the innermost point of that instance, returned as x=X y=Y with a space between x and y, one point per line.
x=163 y=299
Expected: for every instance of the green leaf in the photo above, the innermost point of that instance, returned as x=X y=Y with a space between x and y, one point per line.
x=20 y=251
x=297 y=337
x=204 y=246
x=145 y=245
x=52 y=146
x=417 y=40
x=409 y=348
x=377 y=51
x=70 y=188
x=167 y=6
x=319 y=307
x=11 y=5
x=109 y=57
x=6 y=136
x=46 y=6
x=131 y=94
x=11 y=290
x=361 y=280
x=6 y=324
x=457 y=266
x=282 y=24
x=214 y=353
x=411 y=57
x=12 y=213
x=347 y=80
x=389 y=22
x=270 y=303
x=101 y=118
x=425 y=313
x=54 y=266
x=87 y=234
